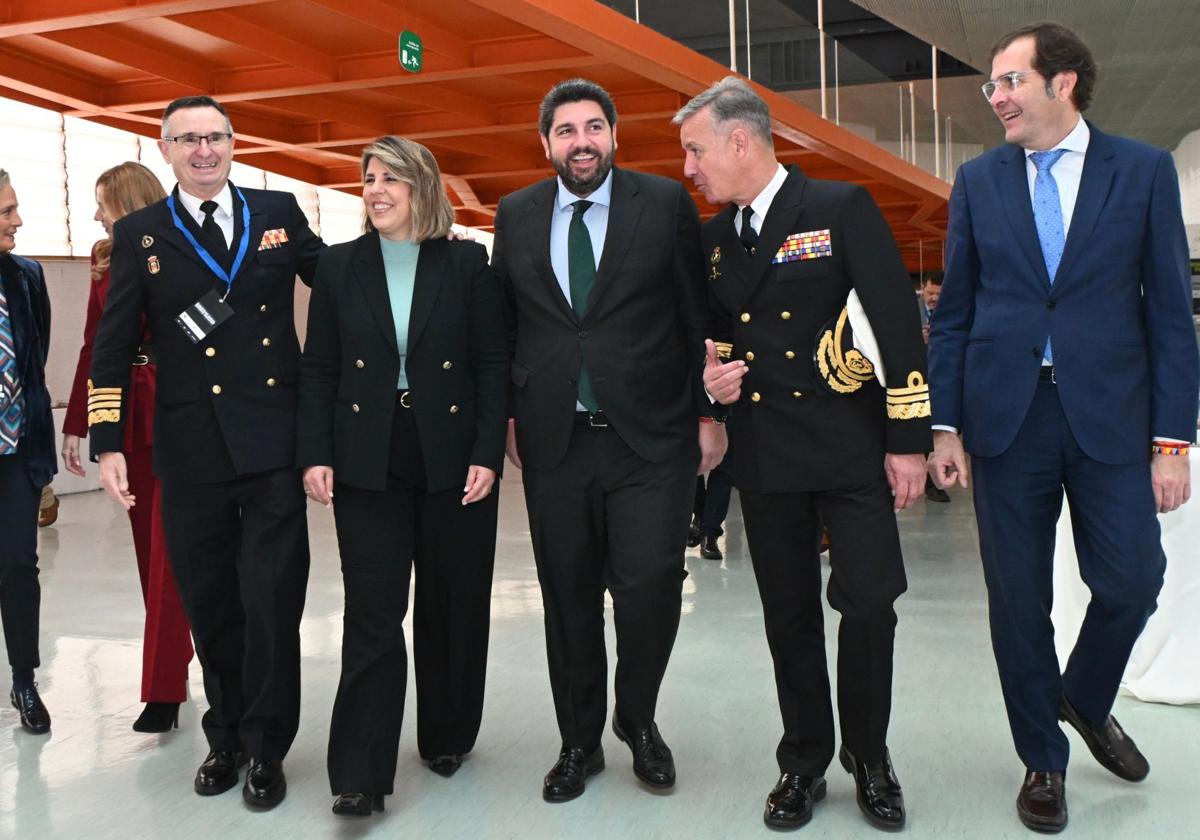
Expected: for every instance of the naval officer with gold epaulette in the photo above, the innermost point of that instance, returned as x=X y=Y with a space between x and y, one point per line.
x=793 y=264
x=212 y=270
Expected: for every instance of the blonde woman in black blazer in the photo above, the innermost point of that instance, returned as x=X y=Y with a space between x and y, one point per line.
x=403 y=413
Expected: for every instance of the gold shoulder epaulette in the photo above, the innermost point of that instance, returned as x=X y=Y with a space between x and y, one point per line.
x=909 y=403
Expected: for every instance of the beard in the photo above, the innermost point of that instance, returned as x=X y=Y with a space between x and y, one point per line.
x=583 y=186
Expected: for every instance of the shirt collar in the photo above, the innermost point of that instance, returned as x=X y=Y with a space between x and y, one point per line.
x=1076 y=141
x=762 y=202
x=224 y=201
x=601 y=195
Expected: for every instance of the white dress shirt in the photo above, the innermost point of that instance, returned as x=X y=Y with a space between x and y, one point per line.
x=223 y=214
x=762 y=202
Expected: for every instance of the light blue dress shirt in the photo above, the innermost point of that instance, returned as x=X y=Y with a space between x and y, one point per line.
x=596 y=219
x=400 y=266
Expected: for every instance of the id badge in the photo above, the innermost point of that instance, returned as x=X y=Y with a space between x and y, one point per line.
x=203 y=316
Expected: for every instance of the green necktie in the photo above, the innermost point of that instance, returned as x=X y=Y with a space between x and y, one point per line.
x=581 y=270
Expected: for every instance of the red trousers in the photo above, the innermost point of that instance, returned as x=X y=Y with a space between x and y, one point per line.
x=167 y=642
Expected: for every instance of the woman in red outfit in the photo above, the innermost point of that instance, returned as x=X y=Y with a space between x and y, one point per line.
x=167 y=644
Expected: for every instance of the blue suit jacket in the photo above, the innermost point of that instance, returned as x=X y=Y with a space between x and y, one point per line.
x=1119 y=311
x=29 y=309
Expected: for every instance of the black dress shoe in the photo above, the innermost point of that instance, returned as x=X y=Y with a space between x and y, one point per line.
x=158 y=717
x=32 y=710
x=1115 y=750
x=709 y=549
x=265 y=783
x=357 y=804
x=219 y=772
x=652 y=759
x=790 y=802
x=446 y=765
x=936 y=494
x=566 y=778
x=694 y=536
x=879 y=795
x=1042 y=803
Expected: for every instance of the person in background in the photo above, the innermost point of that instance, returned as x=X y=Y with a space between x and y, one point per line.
x=166 y=640
x=26 y=456
x=710 y=509
x=402 y=417
x=931 y=290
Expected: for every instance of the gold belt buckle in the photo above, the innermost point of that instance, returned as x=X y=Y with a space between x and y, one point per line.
x=404 y=399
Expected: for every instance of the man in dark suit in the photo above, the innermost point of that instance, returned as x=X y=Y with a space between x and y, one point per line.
x=601 y=270
x=27 y=461
x=1063 y=350
x=212 y=271
x=793 y=262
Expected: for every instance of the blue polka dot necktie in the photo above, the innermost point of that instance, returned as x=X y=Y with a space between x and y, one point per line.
x=1047 y=215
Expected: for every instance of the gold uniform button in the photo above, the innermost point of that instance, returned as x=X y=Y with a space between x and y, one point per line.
x=447 y=365
x=210 y=351
x=785 y=315
x=789 y=354
x=266 y=342
x=262 y=308
x=755 y=397
x=360 y=364
x=354 y=408
x=749 y=355
x=454 y=409
x=216 y=389
x=797 y=394
x=271 y=382
x=745 y=317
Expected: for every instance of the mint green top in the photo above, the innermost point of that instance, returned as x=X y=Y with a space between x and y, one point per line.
x=400 y=266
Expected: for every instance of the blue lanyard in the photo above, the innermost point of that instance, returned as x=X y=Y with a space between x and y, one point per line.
x=213 y=265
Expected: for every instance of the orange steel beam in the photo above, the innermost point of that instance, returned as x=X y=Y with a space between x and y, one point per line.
x=386 y=17
x=34 y=17
x=133 y=53
x=264 y=41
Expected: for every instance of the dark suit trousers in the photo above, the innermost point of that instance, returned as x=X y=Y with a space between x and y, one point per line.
x=20 y=592
x=1018 y=498
x=605 y=518
x=783 y=532
x=239 y=550
x=381 y=535
x=712 y=501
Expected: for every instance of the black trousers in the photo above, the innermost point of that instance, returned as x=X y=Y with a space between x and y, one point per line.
x=381 y=536
x=712 y=500
x=605 y=518
x=239 y=550
x=20 y=592
x=783 y=532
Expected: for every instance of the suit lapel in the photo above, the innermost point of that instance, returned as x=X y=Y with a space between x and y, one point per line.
x=1013 y=181
x=624 y=213
x=1094 y=186
x=541 y=211
x=372 y=280
x=781 y=217
x=426 y=285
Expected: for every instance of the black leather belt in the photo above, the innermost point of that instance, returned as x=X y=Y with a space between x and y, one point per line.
x=1046 y=374
x=595 y=419
x=404 y=398
x=146 y=355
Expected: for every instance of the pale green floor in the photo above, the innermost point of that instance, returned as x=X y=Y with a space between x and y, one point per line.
x=95 y=778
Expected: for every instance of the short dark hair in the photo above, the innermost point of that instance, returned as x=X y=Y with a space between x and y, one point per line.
x=194 y=102
x=574 y=90
x=1057 y=50
x=931 y=280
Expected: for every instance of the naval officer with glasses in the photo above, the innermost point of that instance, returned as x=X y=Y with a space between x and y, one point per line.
x=210 y=271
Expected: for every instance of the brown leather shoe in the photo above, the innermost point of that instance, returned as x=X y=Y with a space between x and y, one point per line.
x=48 y=515
x=1042 y=803
x=1115 y=750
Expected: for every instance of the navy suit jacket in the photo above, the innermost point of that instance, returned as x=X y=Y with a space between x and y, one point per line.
x=1118 y=313
x=29 y=311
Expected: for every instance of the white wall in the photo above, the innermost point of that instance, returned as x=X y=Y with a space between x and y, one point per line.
x=1187 y=164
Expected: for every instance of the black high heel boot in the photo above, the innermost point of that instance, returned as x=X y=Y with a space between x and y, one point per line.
x=158 y=717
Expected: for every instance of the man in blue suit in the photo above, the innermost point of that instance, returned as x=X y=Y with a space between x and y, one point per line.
x=1063 y=351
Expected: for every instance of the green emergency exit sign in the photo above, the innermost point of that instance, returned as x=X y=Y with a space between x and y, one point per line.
x=410 y=51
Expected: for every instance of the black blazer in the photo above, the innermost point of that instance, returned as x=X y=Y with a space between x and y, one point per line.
x=790 y=433
x=457 y=364
x=643 y=332
x=29 y=313
x=226 y=405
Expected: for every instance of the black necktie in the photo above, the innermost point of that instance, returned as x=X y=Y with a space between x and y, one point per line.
x=581 y=273
x=213 y=231
x=748 y=236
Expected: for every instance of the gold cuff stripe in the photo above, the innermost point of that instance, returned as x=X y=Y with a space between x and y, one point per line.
x=108 y=415
x=916 y=385
x=911 y=411
x=911 y=398
x=103 y=403
x=98 y=391
x=724 y=349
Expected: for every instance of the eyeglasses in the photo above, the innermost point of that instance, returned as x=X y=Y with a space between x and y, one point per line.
x=192 y=141
x=1008 y=82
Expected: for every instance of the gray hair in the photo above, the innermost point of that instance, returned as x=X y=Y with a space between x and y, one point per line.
x=3 y=179
x=732 y=100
